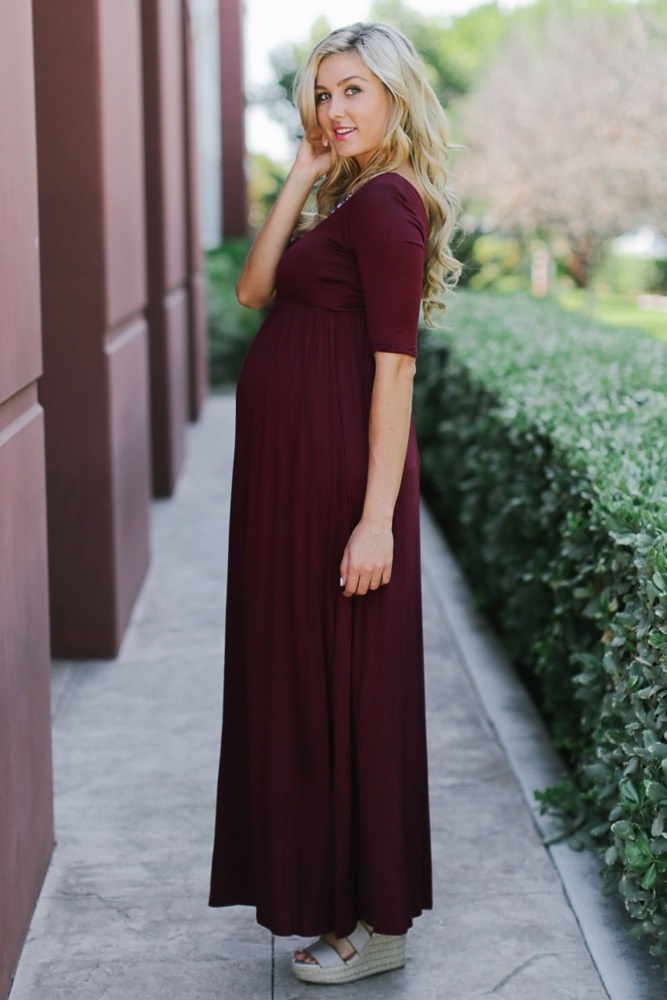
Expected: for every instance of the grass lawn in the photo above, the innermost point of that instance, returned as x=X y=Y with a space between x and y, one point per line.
x=616 y=310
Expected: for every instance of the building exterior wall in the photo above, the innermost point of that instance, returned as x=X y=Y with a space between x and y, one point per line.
x=100 y=259
x=205 y=27
x=234 y=185
x=195 y=265
x=95 y=389
x=26 y=817
x=167 y=205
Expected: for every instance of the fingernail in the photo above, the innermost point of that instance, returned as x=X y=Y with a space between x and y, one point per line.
x=341 y=581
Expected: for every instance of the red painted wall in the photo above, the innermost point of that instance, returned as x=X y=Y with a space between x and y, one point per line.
x=26 y=818
x=196 y=281
x=234 y=183
x=164 y=121
x=95 y=389
x=79 y=276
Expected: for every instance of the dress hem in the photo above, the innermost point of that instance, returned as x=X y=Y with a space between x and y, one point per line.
x=316 y=930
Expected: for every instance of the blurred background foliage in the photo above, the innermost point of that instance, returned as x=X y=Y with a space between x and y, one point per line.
x=562 y=108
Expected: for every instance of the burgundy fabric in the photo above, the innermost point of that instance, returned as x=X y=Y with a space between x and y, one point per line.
x=322 y=813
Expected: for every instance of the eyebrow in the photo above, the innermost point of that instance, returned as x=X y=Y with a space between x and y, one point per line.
x=346 y=79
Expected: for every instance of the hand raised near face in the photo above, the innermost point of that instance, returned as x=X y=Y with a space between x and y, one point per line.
x=314 y=154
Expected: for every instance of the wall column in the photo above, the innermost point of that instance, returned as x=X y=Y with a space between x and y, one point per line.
x=234 y=183
x=26 y=816
x=196 y=281
x=168 y=299
x=95 y=389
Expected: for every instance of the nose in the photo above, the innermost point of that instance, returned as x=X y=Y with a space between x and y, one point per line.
x=335 y=109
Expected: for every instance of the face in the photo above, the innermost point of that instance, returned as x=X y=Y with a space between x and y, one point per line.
x=352 y=106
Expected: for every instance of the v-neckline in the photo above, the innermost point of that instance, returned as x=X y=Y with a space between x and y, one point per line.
x=385 y=173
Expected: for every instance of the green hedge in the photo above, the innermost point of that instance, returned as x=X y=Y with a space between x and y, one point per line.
x=543 y=440
x=231 y=327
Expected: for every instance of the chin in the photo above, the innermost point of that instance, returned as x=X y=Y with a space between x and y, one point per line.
x=352 y=154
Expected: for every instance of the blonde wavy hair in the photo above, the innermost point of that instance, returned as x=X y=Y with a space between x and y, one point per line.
x=417 y=130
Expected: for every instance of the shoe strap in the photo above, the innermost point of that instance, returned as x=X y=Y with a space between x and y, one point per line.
x=359 y=938
x=325 y=954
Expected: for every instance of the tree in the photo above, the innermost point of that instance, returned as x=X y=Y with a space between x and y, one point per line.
x=448 y=75
x=568 y=131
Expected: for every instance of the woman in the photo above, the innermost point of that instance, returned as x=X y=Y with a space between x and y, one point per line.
x=322 y=820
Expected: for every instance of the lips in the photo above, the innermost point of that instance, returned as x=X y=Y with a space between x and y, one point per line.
x=343 y=132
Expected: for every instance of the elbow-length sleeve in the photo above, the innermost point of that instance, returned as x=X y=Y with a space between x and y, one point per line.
x=388 y=234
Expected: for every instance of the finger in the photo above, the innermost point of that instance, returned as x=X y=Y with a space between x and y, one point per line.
x=351 y=584
x=376 y=581
x=344 y=566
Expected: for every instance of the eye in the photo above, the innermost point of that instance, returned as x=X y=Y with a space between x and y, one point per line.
x=321 y=96
x=352 y=90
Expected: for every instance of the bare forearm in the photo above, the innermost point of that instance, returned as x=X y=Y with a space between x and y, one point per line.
x=391 y=407
x=258 y=277
x=368 y=556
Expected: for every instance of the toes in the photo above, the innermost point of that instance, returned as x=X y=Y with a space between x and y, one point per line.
x=304 y=956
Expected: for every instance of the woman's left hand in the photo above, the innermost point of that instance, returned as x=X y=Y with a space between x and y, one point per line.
x=367 y=560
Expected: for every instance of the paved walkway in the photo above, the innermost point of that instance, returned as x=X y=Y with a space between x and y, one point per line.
x=123 y=911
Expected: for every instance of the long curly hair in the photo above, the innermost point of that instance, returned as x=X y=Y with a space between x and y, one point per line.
x=417 y=130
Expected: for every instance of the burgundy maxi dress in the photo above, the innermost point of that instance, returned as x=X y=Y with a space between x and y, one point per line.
x=322 y=811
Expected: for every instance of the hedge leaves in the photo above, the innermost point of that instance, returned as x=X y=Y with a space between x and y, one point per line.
x=544 y=453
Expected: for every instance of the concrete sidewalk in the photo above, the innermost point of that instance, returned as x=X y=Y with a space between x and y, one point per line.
x=123 y=912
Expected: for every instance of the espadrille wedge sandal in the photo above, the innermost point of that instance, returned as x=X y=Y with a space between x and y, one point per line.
x=374 y=953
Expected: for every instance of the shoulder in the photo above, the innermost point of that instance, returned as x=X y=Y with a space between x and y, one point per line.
x=390 y=197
